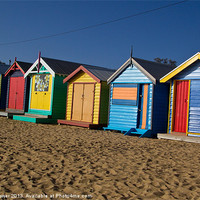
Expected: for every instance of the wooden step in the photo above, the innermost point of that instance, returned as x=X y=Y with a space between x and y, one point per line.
x=17 y=111
x=36 y=116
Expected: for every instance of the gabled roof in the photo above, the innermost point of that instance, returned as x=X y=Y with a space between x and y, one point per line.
x=152 y=70
x=60 y=66
x=180 y=68
x=3 y=68
x=23 y=66
x=97 y=73
x=54 y=66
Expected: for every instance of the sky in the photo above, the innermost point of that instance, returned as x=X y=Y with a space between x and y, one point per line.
x=172 y=32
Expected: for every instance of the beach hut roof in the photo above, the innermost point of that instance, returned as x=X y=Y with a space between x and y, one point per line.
x=61 y=66
x=97 y=73
x=54 y=66
x=180 y=68
x=3 y=68
x=153 y=70
x=23 y=66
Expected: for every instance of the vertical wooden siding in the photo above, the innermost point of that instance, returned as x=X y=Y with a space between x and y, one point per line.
x=194 y=107
x=82 y=77
x=59 y=98
x=160 y=107
x=104 y=103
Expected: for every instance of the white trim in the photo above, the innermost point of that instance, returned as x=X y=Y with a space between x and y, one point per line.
x=180 y=65
x=118 y=71
x=149 y=76
x=48 y=69
x=137 y=65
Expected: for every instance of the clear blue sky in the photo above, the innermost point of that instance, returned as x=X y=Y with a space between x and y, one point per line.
x=172 y=32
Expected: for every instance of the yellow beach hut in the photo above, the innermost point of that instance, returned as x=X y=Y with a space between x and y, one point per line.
x=87 y=97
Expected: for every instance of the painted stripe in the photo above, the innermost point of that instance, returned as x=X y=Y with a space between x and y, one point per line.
x=124 y=102
x=127 y=85
x=170 y=88
x=148 y=93
x=144 y=110
x=125 y=93
x=188 y=106
x=180 y=68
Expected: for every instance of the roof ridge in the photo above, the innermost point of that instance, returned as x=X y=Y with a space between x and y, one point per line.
x=153 y=62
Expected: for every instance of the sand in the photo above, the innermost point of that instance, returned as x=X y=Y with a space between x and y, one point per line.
x=39 y=161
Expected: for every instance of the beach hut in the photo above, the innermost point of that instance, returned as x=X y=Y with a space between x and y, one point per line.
x=3 y=86
x=138 y=102
x=18 y=88
x=47 y=98
x=87 y=97
x=184 y=108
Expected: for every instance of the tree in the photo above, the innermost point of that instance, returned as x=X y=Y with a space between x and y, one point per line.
x=166 y=61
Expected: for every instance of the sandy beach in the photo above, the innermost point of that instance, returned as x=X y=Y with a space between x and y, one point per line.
x=41 y=161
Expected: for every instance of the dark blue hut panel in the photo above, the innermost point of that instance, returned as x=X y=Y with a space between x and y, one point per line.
x=160 y=107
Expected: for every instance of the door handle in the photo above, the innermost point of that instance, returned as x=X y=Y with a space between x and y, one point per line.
x=139 y=110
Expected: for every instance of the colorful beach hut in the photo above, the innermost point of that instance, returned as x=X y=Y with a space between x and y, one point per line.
x=184 y=108
x=138 y=102
x=18 y=88
x=3 y=86
x=47 y=98
x=87 y=97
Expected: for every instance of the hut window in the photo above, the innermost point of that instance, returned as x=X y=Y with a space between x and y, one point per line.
x=42 y=82
x=124 y=94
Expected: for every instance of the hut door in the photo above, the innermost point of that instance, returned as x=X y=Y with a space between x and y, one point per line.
x=83 y=98
x=16 y=93
x=142 y=106
x=181 y=105
x=41 y=92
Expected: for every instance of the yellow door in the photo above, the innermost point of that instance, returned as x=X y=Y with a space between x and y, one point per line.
x=88 y=98
x=77 y=102
x=83 y=100
x=41 y=92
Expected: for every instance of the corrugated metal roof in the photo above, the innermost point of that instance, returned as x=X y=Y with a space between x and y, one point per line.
x=24 y=65
x=157 y=70
x=153 y=70
x=61 y=66
x=101 y=73
x=3 y=68
x=67 y=67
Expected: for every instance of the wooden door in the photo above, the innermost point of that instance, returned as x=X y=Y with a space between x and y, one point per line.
x=83 y=100
x=88 y=97
x=77 y=102
x=16 y=93
x=181 y=106
x=143 y=106
x=41 y=92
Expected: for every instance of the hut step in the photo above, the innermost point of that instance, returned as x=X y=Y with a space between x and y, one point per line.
x=139 y=132
x=36 y=116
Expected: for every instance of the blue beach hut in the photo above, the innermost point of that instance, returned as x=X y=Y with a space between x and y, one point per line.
x=184 y=107
x=138 y=101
